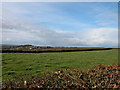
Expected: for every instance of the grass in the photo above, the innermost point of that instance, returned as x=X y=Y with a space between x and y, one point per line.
x=24 y=64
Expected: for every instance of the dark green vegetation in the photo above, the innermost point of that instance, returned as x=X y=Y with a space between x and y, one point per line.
x=15 y=65
x=101 y=76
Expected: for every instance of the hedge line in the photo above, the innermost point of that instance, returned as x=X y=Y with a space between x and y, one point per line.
x=49 y=50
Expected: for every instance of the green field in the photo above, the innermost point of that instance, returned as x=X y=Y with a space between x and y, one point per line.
x=24 y=64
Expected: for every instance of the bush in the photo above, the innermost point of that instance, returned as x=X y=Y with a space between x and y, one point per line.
x=101 y=76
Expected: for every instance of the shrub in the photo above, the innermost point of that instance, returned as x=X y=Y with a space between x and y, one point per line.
x=101 y=76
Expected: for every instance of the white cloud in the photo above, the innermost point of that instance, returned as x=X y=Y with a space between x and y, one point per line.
x=106 y=22
x=45 y=36
x=102 y=37
x=107 y=18
x=42 y=13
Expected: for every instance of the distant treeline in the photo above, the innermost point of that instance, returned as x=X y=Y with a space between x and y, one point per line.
x=51 y=50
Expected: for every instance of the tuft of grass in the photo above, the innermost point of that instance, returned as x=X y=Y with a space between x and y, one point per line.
x=28 y=68
x=38 y=71
x=11 y=72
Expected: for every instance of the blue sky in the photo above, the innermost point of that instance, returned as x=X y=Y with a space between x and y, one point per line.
x=61 y=23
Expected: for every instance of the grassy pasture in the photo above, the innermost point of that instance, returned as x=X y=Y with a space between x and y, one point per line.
x=22 y=64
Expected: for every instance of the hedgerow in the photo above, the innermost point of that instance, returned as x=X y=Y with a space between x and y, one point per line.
x=100 y=76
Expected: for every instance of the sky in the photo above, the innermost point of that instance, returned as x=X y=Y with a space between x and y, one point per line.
x=60 y=0
x=91 y=24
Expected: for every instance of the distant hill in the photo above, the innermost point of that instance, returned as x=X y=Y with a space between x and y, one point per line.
x=7 y=46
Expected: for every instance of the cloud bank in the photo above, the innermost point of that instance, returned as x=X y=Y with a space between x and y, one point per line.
x=15 y=33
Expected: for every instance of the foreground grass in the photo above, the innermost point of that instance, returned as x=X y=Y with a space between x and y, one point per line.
x=24 y=64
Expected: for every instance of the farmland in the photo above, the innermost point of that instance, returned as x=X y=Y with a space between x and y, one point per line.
x=15 y=65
